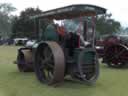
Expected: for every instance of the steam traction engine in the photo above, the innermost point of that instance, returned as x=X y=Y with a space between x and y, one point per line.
x=63 y=49
x=116 y=51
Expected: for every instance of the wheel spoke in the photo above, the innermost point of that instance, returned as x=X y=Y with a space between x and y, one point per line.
x=116 y=50
x=46 y=63
x=50 y=66
x=46 y=52
x=120 y=52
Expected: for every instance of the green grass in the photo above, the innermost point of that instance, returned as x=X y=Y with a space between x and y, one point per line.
x=112 y=82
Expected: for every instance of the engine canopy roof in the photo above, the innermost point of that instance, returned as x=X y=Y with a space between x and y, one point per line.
x=72 y=11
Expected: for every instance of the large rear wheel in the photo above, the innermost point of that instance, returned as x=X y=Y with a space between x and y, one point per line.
x=116 y=56
x=49 y=63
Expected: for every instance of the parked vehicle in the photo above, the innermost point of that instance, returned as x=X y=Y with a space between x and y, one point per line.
x=20 y=41
x=115 y=51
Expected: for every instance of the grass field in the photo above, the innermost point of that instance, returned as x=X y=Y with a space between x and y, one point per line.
x=112 y=82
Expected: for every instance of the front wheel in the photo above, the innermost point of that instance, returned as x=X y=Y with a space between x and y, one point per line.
x=24 y=60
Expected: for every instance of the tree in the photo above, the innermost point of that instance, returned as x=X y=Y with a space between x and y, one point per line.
x=106 y=25
x=6 y=8
x=22 y=26
x=123 y=31
x=5 y=19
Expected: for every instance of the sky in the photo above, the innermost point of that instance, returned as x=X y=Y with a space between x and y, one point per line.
x=118 y=8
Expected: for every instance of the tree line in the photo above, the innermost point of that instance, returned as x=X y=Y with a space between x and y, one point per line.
x=6 y=19
x=19 y=26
